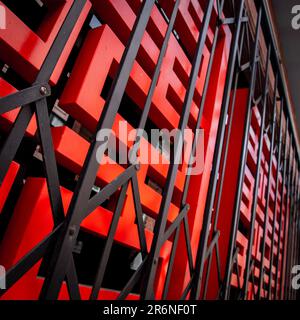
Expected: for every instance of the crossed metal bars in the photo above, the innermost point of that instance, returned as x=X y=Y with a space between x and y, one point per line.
x=65 y=232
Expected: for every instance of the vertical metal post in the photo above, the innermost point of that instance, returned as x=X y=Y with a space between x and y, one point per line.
x=266 y=209
x=188 y=174
x=287 y=269
x=196 y=285
x=275 y=204
x=285 y=238
x=236 y=212
x=257 y=175
x=281 y=208
x=62 y=255
x=149 y=276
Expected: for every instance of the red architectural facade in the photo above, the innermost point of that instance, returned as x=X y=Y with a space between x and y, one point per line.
x=79 y=83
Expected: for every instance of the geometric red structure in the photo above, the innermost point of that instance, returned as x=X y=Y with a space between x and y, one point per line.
x=71 y=228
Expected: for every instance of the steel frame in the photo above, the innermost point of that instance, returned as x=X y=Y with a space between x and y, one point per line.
x=64 y=235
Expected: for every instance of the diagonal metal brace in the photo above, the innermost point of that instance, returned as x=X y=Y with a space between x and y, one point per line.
x=24 y=97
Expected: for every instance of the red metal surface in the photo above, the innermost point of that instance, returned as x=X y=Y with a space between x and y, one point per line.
x=7 y=183
x=81 y=98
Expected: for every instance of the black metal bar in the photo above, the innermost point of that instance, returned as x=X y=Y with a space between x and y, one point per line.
x=217 y=159
x=12 y=142
x=275 y=204
x=188 y=174
x=14 y=138
x=294 y=234
x=297 y=232
x=84 y=186
x=144 y=119
x=287 y=263
x=49 y=161
x=176 y=223
x=269 y=35
x=72 y=282
x=24 y=97
x=110 y=189
x=29 y=260
x=139 y=214
x=290 y=260
x=108 y=244
x=256 y=179
x=156 y=74
x=281 y=208
x=283 y=262
x=236 y=212
x=171 y=263
x=132 y=281
x=147 y=291
x=266 y=209
x=212 y=244
x=219 y=197
x=62 y=267
x=187 y=290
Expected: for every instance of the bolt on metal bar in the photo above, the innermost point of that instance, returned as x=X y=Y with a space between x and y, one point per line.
x=256 y=181
x=236 y=212
x=49 y=161
x=17 y=132
x=61 y=256
x=195 y=290
x=24 y=97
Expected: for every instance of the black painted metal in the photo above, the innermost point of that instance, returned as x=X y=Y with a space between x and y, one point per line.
x=62 y=266
x=257 y=174
x=147 y=290
x=281 y=207
x=266 y=209
x=217 y=159
x=243 y=159
x=275 y=203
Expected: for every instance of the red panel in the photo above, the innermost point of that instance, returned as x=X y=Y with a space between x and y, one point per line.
x=28 y=227
x=26 y=50
x=81 y=96
x=227 y=200
x=199 y=183
x=8 y=182
x=8 y=118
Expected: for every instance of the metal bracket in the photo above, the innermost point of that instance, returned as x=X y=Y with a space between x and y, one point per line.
x=24 y=97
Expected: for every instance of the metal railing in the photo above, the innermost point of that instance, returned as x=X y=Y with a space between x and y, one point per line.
x=283 y=146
